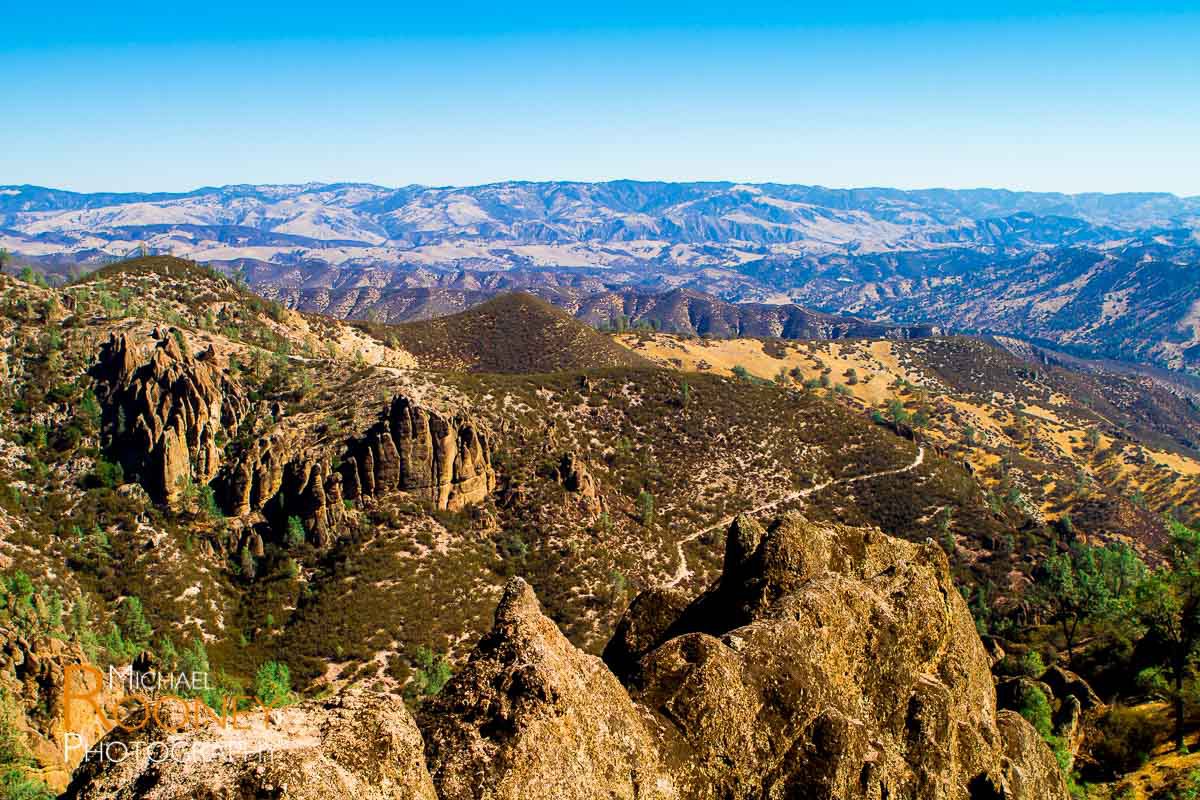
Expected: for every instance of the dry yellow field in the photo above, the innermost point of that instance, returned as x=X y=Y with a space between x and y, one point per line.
x=1051 y=432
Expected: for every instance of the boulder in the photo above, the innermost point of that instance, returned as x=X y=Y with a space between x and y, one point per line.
x=1065 y=683
x=358 y=744
x=531 y=716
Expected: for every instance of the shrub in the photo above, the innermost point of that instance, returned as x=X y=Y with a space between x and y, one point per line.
x=1034 y=706
x=433 y=671
x=1126 y=739
x=132 y=620
x=273 y=684
x=208 y=503
x=105 y=475
x=296 y=534
x=1031 y=664
x=645 y=504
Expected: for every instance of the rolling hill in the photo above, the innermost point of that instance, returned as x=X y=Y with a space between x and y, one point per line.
x=511 y=333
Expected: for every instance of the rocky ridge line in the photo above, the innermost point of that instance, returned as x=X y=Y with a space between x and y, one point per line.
x=826 y=662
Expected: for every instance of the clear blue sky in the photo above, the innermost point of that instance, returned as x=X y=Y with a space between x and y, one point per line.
x=1034 y=95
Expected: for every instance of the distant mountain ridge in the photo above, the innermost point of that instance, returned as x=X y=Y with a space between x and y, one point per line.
x=559 y=223
x=1104 y=275
x=683 y=311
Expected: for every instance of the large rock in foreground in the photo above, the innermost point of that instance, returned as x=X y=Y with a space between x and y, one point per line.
x=361 y=745
x=532 y=716
x=831 y=662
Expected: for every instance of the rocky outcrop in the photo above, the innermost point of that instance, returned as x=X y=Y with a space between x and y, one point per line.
x=826 y=662
x=443 y=457
x=34 y=675
x=359 y=744
x=582 y=489
x=165 y=410
x=168 y=415
x=1063 y=684
x=1070 y=699
x=532 y=716
x=831 y=662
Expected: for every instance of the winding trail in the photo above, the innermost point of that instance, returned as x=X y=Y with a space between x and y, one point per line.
x=684 y=572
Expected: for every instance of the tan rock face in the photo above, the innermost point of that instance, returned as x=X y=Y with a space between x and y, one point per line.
x=443 y=457
x=581 y=487
x=357 y=745
x=532 y=716
x=834 y=662
x=164 y=410
x=166 y=413
x=35 y=674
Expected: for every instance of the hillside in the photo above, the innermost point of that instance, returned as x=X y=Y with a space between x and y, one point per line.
x=1103 y=450
x=694 y=313
x=193 y=474
x=291 y=409
x=683 y=311
x=511 y=333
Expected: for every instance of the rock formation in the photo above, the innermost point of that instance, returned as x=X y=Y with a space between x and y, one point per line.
x=826 y=662
x=581 y=487
x=532 y=716
x=832 y=662
x=443 y=457
x=358 y=745
x=163 y=410
x=168 y=413
x=33 y=676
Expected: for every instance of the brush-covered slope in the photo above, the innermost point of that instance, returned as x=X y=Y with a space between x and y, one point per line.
x=1104 y=453
x=275 y=486
x=828 y=662
x=512 y=333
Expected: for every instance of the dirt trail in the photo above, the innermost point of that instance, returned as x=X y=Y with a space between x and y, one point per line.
x=684 y=572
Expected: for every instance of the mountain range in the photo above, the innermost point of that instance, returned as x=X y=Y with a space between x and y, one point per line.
x=1095 y=274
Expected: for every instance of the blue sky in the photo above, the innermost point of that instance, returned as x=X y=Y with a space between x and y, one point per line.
x=1038 y=96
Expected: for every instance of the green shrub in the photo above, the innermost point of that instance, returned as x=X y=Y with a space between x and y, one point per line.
x=433 y=671
x=296 y=534
x=1031 y=664
x=1126 y=739
x=273 y=684
x=645 y=504
x=132 y=619
x=105 y=475
x=1034 y=706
